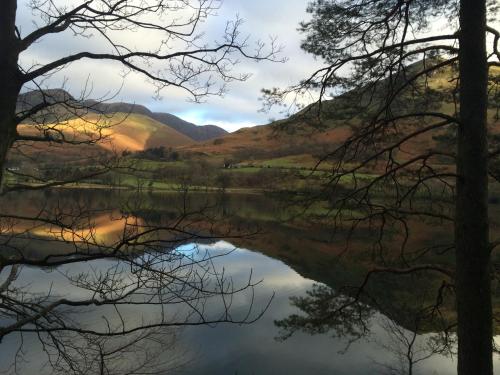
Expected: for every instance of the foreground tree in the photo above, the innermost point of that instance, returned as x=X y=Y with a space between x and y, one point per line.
x=180 y=58
x=140 y=268
x=381 y=58
x=103 y=288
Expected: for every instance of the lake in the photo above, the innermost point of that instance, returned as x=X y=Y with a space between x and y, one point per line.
x=283 y=258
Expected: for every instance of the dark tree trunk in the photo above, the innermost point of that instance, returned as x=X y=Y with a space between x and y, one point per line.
x=10 y=82
x=473 y=287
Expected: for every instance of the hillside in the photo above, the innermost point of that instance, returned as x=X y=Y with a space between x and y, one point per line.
x=301 y=138
x=195 y=132
x=118 y=133
x=65 y=107
x=268 y=142
x=296 y=141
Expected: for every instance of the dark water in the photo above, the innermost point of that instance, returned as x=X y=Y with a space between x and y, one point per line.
x=285 y=259
x=254 y=349
x=246 y=349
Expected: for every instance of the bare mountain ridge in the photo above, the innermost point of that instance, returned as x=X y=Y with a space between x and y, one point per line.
x=199 y=133
x=196 y=132
x=66 y=111
x=96 y=133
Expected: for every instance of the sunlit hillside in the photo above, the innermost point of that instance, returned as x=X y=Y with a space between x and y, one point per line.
x=303 y=137
x=119 y=132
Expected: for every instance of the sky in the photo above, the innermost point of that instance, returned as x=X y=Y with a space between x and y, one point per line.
x=238 y=108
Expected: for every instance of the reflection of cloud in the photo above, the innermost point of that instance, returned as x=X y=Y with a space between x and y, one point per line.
x=229 y=349
x=238 y=108
x=274 y=273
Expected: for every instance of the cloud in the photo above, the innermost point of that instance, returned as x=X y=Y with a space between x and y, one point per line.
x=238 y=108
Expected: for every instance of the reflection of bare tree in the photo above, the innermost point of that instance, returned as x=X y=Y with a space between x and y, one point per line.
x=149 y=352
x=119 y=288
x=130 y=275
x=407 y=347
x=418 y=104
x=409 y=331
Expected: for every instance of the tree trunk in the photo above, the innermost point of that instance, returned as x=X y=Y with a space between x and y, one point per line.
x=9 y=79
x=473 y=289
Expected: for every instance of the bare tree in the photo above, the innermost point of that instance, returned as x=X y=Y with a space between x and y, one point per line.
x=181 y=58
x=381 y=59
x=113 y=294
x=139 y=267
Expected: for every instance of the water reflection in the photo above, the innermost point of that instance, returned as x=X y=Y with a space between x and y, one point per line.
x=290 y=258
x=246 y=349
x=255 y=350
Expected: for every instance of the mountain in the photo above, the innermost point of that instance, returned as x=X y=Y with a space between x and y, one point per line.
x=116 y=127
x=269 y=142
x=30 y=99
x=195 y=132
x=62 y=107
x=302 y=138
x=103 y=107
x=118 y=132
x=136 y=132
x=66 y=107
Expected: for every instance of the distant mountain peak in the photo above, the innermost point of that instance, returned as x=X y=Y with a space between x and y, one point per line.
x=30 y=99
x=197 y=133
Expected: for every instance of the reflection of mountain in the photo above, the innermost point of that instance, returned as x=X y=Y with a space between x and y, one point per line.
x=37 y=239
x=310 y=252
x=309 y=249
x=103 y=229
x=316 y=254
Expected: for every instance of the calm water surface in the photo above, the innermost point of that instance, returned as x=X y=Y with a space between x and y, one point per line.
x=242 y=349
